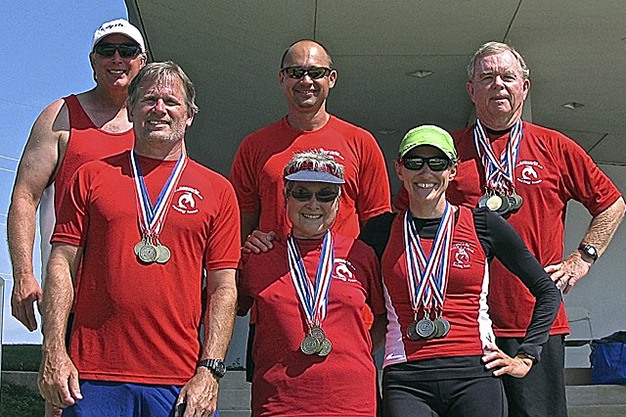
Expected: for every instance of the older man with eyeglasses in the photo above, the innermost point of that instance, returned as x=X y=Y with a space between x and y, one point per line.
x=67 y=133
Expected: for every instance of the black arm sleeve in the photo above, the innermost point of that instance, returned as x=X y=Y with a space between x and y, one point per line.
x=499 y=239
x=376 y=232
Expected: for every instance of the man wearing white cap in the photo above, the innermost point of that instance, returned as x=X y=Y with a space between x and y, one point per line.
x=68 y=133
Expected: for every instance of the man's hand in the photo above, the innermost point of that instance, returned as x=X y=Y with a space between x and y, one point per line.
x=58 y=380
x=26 y=291
x=258 y=242
x=504 y=364
x=567 y=273
x=200 y=395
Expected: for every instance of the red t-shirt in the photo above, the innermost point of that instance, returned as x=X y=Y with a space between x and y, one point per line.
x=257 y=173
x=551 y=170
x=287 y=382
x=136 y=322
x=465 y=304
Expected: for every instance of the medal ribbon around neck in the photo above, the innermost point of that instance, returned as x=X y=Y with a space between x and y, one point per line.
x=428 y=277
x=313 y=299
x=499 y=173
x=151 y=218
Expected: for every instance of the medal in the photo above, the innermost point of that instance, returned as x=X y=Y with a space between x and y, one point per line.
x=148 y=253
x=411 y=332
x=164 y=254
x=325 y=348
x=427 y=277
x=313 y=298
x=151 y=218
x=442 y=327
x=425 y=328
x=494 y=203
x=138 y=247
x=516 y=201
x=310 y=345
x=499 y=172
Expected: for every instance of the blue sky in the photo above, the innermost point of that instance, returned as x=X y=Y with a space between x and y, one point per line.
x=45 y=47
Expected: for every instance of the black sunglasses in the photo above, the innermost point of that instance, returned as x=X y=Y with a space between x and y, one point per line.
x=126 y=50
x=435 y=163
x=299 y=72
x=323 y=196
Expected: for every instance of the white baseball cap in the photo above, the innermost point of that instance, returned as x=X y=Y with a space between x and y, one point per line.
x=122 y=27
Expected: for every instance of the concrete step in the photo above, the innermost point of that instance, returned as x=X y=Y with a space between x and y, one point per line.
x=596 y=395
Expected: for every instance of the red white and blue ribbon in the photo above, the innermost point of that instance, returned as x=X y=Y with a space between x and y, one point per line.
x=152 y=217
x=499 y=172
x=427 y=276
x=313 y=297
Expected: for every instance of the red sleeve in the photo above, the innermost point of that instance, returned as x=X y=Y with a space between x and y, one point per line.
x=374 y=196
x=583 y=180
x=72 y=217
x=244 y=178
x=223 y=246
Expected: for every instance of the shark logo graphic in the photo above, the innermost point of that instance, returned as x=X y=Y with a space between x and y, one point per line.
x=185 y=200
x=530 y=173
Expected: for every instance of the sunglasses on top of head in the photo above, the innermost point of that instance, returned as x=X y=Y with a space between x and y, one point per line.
x=126 y=50
x=435 y=163
x=323 y=196
x=298 y=72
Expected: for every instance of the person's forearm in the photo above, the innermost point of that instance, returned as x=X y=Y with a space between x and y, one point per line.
x=21 y=226
x=603 y=226
x=58 y=297
x=219 y=319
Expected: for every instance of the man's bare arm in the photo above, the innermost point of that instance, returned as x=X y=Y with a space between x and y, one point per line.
x=58 y=377
x=599 y=234
x=200 y=393
x=36 y=170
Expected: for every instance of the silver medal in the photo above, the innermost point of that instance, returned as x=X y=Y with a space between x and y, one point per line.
x=325 y=348
x=425 y=328
x=310 y=345
x=164 y=254
x=148 y=253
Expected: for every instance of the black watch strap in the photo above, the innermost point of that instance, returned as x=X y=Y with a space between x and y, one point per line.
x=216 y=366
x=590 y=251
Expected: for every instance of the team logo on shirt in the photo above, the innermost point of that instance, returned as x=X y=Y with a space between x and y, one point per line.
x=186 y=199
x=530 y=172
x=461 y=255
x=344 y=270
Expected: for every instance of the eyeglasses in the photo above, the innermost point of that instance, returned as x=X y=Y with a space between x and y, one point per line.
x=323 y=196
x=298 y=72
x=435 y=163
x=126 y=50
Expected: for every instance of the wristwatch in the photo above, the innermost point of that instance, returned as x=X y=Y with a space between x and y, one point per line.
x=524 y=355
x=216 y=366
x=589 y=251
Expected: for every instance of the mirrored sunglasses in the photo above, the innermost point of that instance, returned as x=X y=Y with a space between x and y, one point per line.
x=435 y=163
x=299 y=72
x=126 y=50
x=322 y=196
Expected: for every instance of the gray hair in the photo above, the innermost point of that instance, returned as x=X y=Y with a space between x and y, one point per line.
x=491 y=48
x=159 y=71
x=313 y=160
